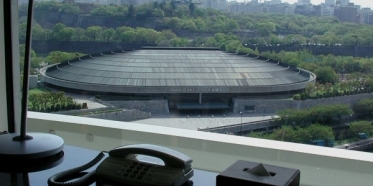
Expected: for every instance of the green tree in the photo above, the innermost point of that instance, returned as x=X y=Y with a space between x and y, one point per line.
x=266 y=28
x=38 y=33
x=131 y=11
x=179 y=42
x=182 y=11
x=66 y=33
x=364 y=107
x=58 y=57
x=129 y=37
x=192 y=8
x=79 y=34
x=323 y=114
x=108 y=34
x=70 y=8
x=93 y=32
x=199 y=12
x=200 y=24
x=298 y=135
x=361 y=127
x=145 y=35
x=326 y=75
x=319 y=132
x=231 y=25
x=233 y=46
x=173 y=23
x=188 y=25
x=57 y=29
x=211 y=42
x=168 y=34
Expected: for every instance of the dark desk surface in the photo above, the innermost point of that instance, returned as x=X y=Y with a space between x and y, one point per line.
x=75 y=156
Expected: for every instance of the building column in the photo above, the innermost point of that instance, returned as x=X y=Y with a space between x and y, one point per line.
x=200 y=98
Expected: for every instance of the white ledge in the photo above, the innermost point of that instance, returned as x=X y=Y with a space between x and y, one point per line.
x=214 y=152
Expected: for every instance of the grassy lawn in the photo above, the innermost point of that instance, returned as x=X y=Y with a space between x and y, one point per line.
x=37 y=91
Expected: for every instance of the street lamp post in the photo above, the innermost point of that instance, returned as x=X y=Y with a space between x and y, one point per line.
x=286 y=119
x=241 y=122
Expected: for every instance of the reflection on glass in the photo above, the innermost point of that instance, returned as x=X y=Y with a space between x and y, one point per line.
x=288 y=72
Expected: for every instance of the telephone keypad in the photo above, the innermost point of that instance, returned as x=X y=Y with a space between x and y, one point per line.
x=138 y=173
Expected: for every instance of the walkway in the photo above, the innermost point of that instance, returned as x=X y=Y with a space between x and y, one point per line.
x=193 y=123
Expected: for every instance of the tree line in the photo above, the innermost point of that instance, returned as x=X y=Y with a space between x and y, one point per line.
x=336 y=75
x=269 y=29
x=37 y=62
x=307 y=135
x=311 y=125
x=316 y=133
x=329 y=115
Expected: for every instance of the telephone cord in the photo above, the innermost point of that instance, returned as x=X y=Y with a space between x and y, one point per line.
x=61 y=179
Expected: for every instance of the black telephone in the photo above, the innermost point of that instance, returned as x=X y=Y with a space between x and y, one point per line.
x=123 y=168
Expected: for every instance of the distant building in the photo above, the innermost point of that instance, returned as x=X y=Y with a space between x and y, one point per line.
x=347 y=14
x=239 y=7
x=366 y=16
x=302 y=2
x=197 y=3
x=290 y=10
x=114 y=2
x=221 y=5
x=304 y=9
x=317 y=10
x=330 y=2
x=277 y=9
x=274 y=2
x=327 y=11
x=344 y=2
x=68 y=1
x=254 y=8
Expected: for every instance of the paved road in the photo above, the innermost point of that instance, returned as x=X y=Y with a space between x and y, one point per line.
x=193 y=123
x=90 y=100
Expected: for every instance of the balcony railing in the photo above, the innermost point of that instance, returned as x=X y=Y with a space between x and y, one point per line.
x=211 y=151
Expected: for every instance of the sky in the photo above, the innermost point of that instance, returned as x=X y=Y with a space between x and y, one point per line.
x=363 y=3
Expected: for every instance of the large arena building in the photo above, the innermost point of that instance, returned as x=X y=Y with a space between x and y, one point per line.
x=189 y=78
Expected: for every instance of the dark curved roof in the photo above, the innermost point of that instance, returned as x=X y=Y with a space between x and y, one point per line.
x=169 y=68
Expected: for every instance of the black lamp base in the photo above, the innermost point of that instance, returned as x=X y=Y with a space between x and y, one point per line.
x=29 y=155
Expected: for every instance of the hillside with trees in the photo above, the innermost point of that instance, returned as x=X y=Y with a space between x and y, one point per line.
x=257 y=29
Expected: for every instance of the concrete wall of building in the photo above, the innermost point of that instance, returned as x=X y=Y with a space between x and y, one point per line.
x=125 y=115
x=270 y=106
x=109 y=113
x=149 y=106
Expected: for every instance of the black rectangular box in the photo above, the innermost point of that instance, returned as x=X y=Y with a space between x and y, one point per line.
x=239 y=174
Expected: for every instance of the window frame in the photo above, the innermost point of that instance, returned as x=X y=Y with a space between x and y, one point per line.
x=78 y=132
x=9 y=61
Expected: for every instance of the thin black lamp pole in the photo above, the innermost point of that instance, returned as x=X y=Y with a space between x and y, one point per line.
x=241 y=122
x=9 y=64
x=26 y=73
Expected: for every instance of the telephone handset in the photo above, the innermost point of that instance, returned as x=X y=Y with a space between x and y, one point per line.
x=121 y=167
